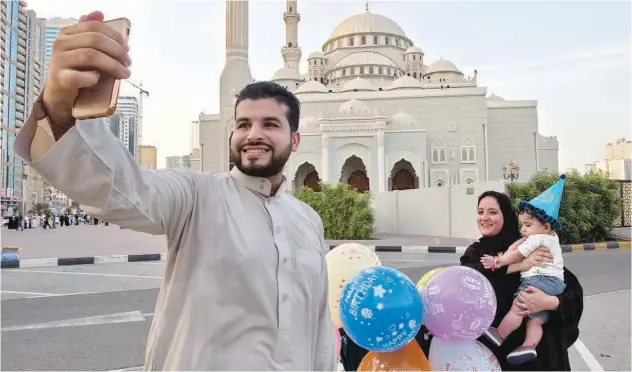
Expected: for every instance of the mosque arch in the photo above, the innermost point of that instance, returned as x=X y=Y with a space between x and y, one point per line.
x=307 y=176
x=403 y=176
x=354 y=173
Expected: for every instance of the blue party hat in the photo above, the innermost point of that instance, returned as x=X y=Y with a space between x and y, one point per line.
x=546 y=206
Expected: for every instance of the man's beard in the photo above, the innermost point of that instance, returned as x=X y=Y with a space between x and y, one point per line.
x=274 y=166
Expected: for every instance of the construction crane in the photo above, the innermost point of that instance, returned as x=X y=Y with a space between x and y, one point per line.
x=141 y=92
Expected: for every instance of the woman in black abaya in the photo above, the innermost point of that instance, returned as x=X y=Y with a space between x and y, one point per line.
x=498 y=224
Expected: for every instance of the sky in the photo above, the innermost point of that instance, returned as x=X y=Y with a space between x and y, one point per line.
x=573 y=57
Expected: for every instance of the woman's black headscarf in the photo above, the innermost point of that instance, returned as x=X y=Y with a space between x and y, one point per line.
x=508 y=234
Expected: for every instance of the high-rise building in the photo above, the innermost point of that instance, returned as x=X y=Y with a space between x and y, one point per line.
x=53 y=27
x=21 y=80
x=147 y=156
x=181 y=161
x=128 y=106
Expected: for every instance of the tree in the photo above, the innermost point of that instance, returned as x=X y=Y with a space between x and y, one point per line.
x=346 y=214
x=589 y=208
x=39 y=208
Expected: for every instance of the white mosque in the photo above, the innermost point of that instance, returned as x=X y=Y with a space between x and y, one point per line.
x=377 y=115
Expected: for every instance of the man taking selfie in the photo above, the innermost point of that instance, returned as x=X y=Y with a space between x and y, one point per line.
x=245 y=286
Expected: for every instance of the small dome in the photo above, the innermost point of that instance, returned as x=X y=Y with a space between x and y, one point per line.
x=367 y=23
x=494 y=97
x=316 y=55
x=287 y=74
x=308 y=124
x=357 y=84
x=352 y=107
x=312 y=86
x=403 y=120
x=365 y=58
x=405 y=82
x=414 y=49
x=442 y=65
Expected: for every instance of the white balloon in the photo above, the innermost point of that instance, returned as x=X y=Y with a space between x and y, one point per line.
x=461 y=356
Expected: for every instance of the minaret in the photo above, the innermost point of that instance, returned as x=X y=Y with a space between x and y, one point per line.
x=235 y=75
x=291 y=51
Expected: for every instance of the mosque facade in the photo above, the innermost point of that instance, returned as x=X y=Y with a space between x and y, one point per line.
x=377 y=115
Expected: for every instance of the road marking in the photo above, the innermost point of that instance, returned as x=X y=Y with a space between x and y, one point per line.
x=607 y=293
x=32 y=293
x=132 y=316
x=587 y=356
x=82 y=273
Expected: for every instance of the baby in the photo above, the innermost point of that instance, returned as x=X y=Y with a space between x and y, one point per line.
x=549 y=278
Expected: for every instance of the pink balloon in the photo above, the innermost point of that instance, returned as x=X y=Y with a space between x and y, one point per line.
x=338 y=339
x=459 y=304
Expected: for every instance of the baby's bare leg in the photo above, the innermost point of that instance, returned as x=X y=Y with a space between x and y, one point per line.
x=534 y=332
x=510 y=322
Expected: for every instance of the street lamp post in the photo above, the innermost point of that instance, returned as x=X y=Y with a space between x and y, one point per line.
x=511 y=171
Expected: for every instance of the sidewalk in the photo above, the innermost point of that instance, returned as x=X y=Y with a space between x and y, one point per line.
x=89 y=241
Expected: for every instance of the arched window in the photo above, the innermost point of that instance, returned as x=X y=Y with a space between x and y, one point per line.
x=379 y=70
x=363 y=40
x=351 y=41
x=362 y=69
x=371 y=70
x=289 y=44
x=438 y=150
x=375 y=40
x=387 y=40
x=290 y=9
x=468 y=151
x=344 y=72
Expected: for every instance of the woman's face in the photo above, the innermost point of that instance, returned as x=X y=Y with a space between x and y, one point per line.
x=490 y=218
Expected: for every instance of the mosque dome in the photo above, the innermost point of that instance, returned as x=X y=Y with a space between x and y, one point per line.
x=358 y=84
x=403 y=120
x=312 y=86
x=414 y=49
x=353 y=107
x=366 y=23
x=287 y=74
x=442 y=65
x=308 y=124
x=405 y=82
x=316 y=55
x=365 y=58
x=496 y=98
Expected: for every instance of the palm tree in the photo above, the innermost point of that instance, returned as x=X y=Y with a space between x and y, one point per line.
x=39 y=208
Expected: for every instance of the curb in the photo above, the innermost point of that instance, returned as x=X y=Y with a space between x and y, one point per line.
x=93 y=260
x=96 y=260
x=568 y=248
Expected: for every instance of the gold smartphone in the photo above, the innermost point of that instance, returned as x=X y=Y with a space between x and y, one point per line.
x=100 y=100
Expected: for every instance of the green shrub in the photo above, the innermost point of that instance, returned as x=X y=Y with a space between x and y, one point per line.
x=590 y=204
x=346 y=214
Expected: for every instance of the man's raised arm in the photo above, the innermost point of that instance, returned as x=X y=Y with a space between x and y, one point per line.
x=83 y=159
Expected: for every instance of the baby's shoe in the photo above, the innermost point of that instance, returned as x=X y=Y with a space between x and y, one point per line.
x=522 y=354
x=492 y=335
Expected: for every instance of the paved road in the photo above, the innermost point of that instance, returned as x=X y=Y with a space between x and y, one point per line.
x=86 y=240
x=96 y=317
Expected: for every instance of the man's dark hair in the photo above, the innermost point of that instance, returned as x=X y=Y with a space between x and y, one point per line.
x=268 y=89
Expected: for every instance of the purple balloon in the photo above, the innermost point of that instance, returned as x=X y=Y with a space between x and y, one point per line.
x=459 y=304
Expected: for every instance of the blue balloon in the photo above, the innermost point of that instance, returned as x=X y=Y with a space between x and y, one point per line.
x=381 y=309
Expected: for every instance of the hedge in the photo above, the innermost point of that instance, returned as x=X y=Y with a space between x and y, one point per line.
x=590 y=204
x=346 y=213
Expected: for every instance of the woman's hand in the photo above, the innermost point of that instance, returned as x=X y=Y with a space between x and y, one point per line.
x=536 y=258
x=533 y=300
x=488 y=261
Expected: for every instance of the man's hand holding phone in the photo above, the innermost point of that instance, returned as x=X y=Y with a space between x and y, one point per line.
x=79 y=53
